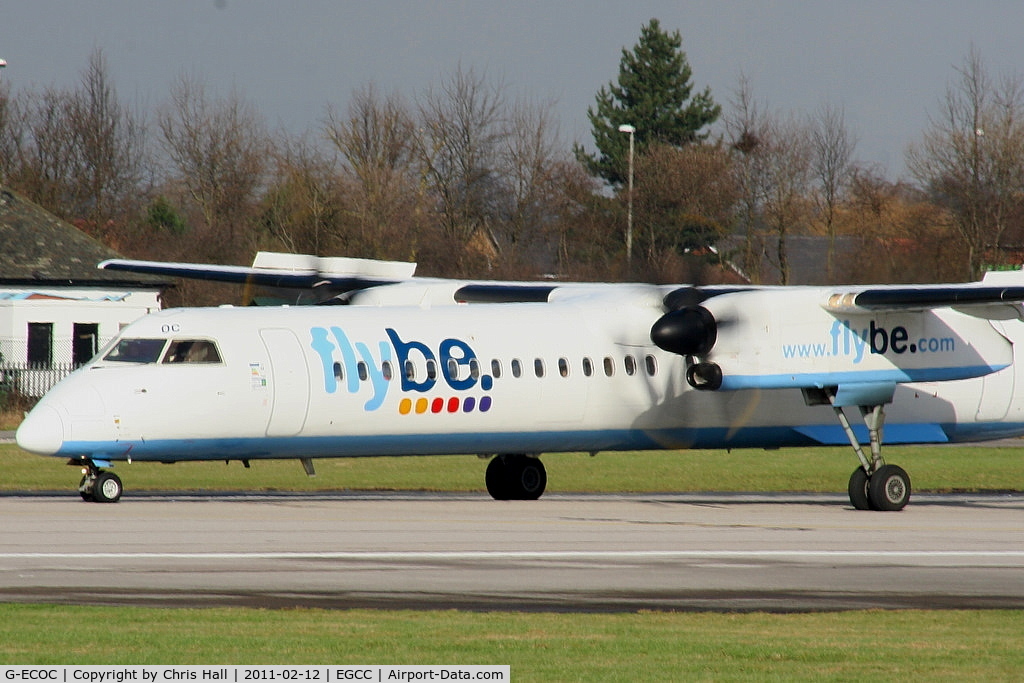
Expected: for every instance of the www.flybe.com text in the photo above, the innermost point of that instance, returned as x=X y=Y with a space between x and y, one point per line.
x=845 y=341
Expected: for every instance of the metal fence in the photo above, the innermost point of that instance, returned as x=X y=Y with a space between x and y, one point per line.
x=20 y=377
x=30 y=380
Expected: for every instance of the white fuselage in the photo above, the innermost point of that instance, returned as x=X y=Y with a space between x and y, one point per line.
x=577 y=373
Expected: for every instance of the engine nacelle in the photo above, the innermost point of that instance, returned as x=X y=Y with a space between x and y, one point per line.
x=690 y=331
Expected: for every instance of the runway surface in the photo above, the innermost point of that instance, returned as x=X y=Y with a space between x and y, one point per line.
x=786 y=552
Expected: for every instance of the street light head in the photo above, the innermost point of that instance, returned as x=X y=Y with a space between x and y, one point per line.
x=626 y=128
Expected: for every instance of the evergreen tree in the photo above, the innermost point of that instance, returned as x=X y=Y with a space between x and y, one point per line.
x=653 y=94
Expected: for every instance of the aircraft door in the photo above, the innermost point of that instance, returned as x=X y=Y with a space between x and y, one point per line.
x=996 y=390
x=289 y=377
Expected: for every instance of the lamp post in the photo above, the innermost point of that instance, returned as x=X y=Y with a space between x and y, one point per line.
x=626 y=128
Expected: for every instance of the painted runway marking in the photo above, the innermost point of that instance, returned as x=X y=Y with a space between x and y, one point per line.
x=532 y=555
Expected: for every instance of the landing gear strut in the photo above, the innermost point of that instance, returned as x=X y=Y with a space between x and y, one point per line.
x=99 y=486
x=515 y=477
x=874 y=485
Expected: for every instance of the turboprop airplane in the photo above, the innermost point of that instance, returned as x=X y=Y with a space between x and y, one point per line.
x=419 y=366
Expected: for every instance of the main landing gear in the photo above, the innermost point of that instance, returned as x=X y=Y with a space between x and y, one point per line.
x=98 y=486
x=516 y=477
x=874 y=485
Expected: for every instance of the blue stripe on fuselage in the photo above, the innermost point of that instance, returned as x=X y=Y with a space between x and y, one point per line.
x=512 y=442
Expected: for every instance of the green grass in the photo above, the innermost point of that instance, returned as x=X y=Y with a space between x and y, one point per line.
x=10 y=419
x=844 y=646
x=947 y=468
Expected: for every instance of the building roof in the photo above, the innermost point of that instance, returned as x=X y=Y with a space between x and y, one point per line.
x=37 y=249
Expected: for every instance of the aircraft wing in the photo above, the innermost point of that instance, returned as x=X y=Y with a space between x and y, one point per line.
x=923 y=297
x=281 y=270
x=994 y=291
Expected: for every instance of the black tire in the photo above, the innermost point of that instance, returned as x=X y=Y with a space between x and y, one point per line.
x=527 y=477
x=107 y=488
x=889 y=489
x=496 y=478
x=858 y=489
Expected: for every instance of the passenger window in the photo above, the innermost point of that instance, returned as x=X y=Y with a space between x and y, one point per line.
x=495 y=368
x=453 y=369
x=474 y=368
x=517 y=368
x=410 y=370
x=630 y=363
x=609 y=366
x=563 y=367
x=361 y=369
x=431 y=369
x=538 y=367
x=652 y=365
x=192 y=351
x=588 y=367
x=339 y=374
x=385 y=370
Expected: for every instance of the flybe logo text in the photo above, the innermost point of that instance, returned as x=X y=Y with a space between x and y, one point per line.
x=356 y=362
x=845 y=340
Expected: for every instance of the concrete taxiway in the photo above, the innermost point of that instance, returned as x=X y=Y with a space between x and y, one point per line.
x=564 y=552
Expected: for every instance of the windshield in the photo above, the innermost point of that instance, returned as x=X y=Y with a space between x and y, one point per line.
x=136 y=351
x=192 y=351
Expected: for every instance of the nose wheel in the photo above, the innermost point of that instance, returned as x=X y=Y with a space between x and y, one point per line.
x=99 y=486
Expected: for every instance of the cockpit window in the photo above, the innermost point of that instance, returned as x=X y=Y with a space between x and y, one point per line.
x=192 y=351
x=136 y=351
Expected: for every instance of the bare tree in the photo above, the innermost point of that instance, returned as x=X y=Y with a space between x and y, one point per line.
x=217 y=150
x=833 y=147
x=903 y=236
x=302 y=207
x=376 y=139
x=787 y=154
x=80 y=153
x=685 y=202
x=529 y=166
x=110 y=143
x=586 y=226
x=461 y=129
x=773 y=169
x=746 y=126
x=46 y=155
x=971 y=159
x=10 y=133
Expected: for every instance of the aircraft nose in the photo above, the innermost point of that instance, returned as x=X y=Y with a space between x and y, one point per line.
x=42 y=431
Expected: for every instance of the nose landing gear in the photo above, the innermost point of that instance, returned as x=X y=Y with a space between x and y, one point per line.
x=98 y=486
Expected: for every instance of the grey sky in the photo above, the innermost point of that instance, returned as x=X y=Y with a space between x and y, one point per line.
x=887 y=63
